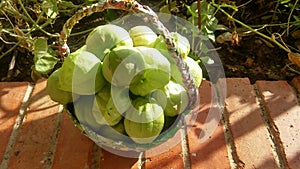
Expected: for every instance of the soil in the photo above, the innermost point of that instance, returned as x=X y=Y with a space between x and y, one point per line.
x=253 y=57
x=256 y=60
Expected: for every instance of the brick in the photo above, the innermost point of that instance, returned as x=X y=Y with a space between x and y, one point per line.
x=250 y=135
x=11 y=97
x=166 y=155
x=296 y=83
x=211 y=152
x=281 y=102
x=37 y=133
x=73 y=150
x=109 y=160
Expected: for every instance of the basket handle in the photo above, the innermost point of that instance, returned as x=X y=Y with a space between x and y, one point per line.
x=135 y=7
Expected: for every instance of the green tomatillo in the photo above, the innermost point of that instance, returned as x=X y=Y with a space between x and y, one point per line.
x=144 y=121
x=122 y=64
x=81 y=73
x=195 y=70
x=106 y=37
x=55 y=93
x=182 y=44
x=155 y=74
x=172 y=97
x=110 y=104
x=142 y=36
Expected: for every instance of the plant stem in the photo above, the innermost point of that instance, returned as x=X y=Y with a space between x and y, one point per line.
x=251 y=29
x=289 y=18
x=275 y=24
x=276 y=7
x=13 y=12
x=11 y=49
x=28 y=33
x=199 y=14
x=34 y=23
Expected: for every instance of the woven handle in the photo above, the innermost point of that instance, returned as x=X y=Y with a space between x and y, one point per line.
x=135 y=7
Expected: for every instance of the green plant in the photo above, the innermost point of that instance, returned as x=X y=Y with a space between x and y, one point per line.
x=25 y=27
x=283 y=21
x=33 y=26
x=206 y=22
x=207 y=17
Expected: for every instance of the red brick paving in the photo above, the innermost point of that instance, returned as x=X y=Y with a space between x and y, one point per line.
x=73 y=149
x=37 y=132
x=48 y=139
x=109 y=160
x=11 y=97
x=172 y=158
x=284 y=109
x=213 y=150
x=250 y=135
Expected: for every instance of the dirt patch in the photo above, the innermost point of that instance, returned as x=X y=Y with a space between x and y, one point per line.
x=254 y=59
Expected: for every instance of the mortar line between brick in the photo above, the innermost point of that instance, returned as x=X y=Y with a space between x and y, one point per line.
x=141 y=160
x=55 y=138
x=16 y=127
x=100 y=156
x=94 y=157
x=235 y=162
x=278 y=150
x=185 y=145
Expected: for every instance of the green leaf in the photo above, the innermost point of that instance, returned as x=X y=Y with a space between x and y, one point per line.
x=44 y=59
x=207 y=60
x=50 y=8
x=190 y=11
x=168 y=8
x=208 y=20
x=89 y=1
x=212 y=36
x=112 y=14
x=193 y=9
x=45 y=64
x=284 y=1
x=204 y=48
x=67 y=4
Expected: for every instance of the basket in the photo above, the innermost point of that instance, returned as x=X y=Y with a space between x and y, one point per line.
x=123 y=143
